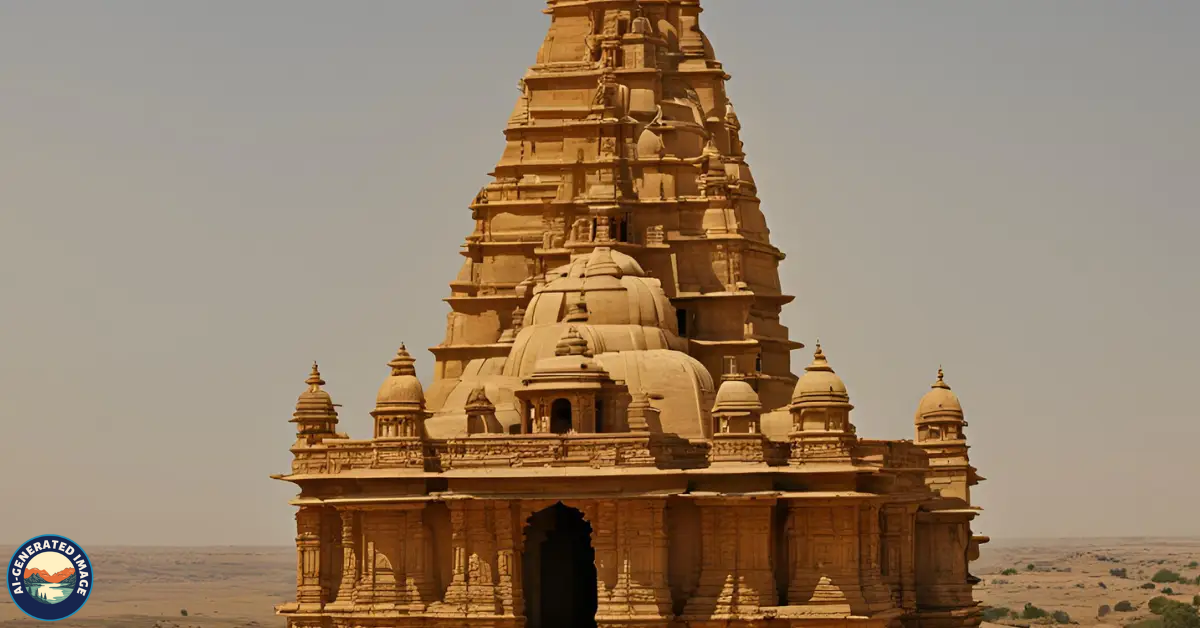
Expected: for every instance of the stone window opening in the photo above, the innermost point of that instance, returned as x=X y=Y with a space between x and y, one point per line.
x=560 y=416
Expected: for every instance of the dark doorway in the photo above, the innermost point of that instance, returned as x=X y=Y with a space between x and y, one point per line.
x=560 y=416
x=559 y=570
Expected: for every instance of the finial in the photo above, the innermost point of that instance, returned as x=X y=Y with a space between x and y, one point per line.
x=403 y=363
x=941 y=380
x=314 y=380
x=819 y=362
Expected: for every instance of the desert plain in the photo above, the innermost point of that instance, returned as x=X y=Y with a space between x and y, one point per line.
x=237 y=587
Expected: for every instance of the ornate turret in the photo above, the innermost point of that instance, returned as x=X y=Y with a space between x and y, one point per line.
x=315 y=417
x=939 y=426
x=570 y=392
x=737 y=408
x=821 y=427
x=400 y=405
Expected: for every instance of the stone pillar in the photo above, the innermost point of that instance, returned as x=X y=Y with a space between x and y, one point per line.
x=825 y=571
x=508 y=562
x=473 y=585
x=382 y=561
x=417 y=590
x=875 y=592
x=641 y=586
x=908 y=558
x=350 y=553
x=309 y=593
x=736 y=579
x=456 y=593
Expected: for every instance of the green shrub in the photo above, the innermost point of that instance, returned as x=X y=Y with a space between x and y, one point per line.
x=1033 y=612
x=1165 y=575
x=1029 y=567
x=1061 y=617
x=1196 y=600
x=1180 y=615
x=1123 y=607
x=1148 y=585
x=1194 y=564
x=183 y=613
x=1168 y=591
x=994 y=613
x=1009 y=572
x=1118 y=573
x=1158 y=604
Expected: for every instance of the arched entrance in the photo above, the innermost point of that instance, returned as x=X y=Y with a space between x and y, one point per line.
x=560 y=416
x=559 y=570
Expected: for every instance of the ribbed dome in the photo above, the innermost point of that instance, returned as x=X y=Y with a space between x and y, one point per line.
x=605 y=287
x=315 y=412
x=737 y=396
x=940 y=403
x=401 y=387
x=819 y=384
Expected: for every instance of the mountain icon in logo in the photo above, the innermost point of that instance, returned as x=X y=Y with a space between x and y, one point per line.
x=46 y=586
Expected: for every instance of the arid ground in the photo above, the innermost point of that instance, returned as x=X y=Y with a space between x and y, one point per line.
x=237 y=587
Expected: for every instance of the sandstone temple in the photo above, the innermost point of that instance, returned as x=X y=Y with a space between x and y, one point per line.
x=613 y=435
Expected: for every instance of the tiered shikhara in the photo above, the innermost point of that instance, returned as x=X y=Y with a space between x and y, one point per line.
x=573 y=463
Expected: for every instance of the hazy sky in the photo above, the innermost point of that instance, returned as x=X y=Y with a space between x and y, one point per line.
x=198 y=199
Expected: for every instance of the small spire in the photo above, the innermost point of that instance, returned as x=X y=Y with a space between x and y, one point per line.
x=819 y=362
x=572 y=343
x=578 y=312
x=403 y=363
x=314 y=380
x=941 y=380
x=478 y=400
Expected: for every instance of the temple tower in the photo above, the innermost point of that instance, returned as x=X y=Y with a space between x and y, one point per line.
x=939 y=425
x=623 y=136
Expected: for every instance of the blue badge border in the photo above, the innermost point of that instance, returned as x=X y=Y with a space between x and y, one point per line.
x=81 y=551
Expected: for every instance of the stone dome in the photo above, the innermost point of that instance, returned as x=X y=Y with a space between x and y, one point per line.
x=314 y=403
x=737 y=396
x=401 y=387
x=605 y=287
x=940 y=403
x=819 y=384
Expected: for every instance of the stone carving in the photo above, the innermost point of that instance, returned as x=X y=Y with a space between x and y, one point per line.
x=567 y=406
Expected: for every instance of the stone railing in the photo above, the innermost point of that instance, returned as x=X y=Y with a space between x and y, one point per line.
x=891 y=454
x=502 y=451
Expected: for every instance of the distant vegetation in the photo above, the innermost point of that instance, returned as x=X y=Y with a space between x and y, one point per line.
x=1029 y=567
x=1148 y=585
x=1060 y=617
x=1193 y=564
x=1175 y=614
x=1196 y=600
x=1166 y=575
x=1168 y=591
x=1118 y=573
x=1032 y=612
x=994 y=613
x=1009 y=572
x=1124 y=606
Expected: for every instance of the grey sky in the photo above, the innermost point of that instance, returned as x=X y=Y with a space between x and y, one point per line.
x=198 y=199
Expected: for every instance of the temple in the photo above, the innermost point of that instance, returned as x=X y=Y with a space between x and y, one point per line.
x=613 y=435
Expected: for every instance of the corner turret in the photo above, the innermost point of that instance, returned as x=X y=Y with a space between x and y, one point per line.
x=315 y=416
